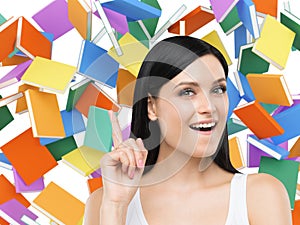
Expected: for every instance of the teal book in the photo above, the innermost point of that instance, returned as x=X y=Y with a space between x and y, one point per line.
x=284 y=170
x=151 y=24
x=6 y=116
x=2 y=19
x=231 y=22
x=61 y=147
x=136 y=31
x=270 y=108
x=293 y=23
x=233 y=128
x=75 y=93
x=98 y=133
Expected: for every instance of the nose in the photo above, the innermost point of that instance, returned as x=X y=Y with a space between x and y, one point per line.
x=204 y=104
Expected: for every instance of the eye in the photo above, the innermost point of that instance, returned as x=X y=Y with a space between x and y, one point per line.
x=187 y=92
x=221 y=89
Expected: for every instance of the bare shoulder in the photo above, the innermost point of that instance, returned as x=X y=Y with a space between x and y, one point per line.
x=92 y=208
x=267 y=200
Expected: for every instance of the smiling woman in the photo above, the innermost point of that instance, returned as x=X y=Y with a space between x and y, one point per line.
x=175 y=168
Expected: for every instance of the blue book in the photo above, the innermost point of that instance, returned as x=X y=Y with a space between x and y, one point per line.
x=98 y=133
x=73 y=124
x=244 y=87
x=133 y=9
x=274 y=150
x=240 y=39
x=247 y=13
x=4 y=162
x=233 y=96
x=289 y=120
x=95 y=64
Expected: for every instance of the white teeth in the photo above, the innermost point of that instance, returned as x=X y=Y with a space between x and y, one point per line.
x=204 y=125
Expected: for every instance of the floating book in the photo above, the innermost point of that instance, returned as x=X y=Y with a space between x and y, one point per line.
x=80 y=15
x=49 y=74
x=37 y=156
x=15 y=60
x=233 y=128
x=231 y=22
x=274 y=50
x=95 y=96
x=192 y=21
x=75 y=93
x=94 y=184
x=9 y=99
x=97 y=65
x=254 y=154
x=98 y=130
x=53 y=18
x=222 y=8
x=264 y=8
x=59 y=205
x=2 y=19
x=270 y=88
x=8 y=35
x=4 y=162
x=3 y=221
x=21 y=105
x=244 y=87
x=62 y=147
x=285 y=171
x=258 y=120
x=235 y=153
x=296 y=212
x=91 y=156
x=14 y=75
x=44 y=114
x=295 y=149
x=31 y=42
x=125 y=87
x=240 y=39
x=293 y=23
x=233 y=96
x=6 y=116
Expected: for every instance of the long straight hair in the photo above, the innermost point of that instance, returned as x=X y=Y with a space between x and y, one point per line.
x=164 y=61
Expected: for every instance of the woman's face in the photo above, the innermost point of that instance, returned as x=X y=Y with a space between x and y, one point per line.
x=192 y=108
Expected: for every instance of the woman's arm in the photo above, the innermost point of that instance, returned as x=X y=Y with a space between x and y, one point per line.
x=267 y=201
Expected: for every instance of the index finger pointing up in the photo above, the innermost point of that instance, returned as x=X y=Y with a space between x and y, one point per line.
x=116 y=129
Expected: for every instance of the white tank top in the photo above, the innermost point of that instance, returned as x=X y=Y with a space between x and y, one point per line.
x=237 y=213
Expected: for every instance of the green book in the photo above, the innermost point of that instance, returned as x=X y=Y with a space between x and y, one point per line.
x=75 y=92
x=284 y=170
x=233 y=128
x=231 y=21
x=6 y=117
x=270 y=108
x=293 y=23
x=2 y=19
x=136 y=31
x=98 y=133
x=151 y=24
x=249 y=62
x=61 y=147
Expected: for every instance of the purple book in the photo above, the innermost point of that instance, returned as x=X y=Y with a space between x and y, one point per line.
x=283 y=108
x=222 y=8
x=20 y=185
x=12 y=211
x=254 y=154
x=15 y=74
x=96 y=173
x=54 y=18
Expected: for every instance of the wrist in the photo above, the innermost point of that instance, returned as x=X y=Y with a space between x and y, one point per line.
x=113 y=213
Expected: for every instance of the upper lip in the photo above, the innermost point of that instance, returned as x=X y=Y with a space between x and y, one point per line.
x=204 y=121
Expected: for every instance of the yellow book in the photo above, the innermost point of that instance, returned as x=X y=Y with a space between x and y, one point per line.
x=295 y=149
x=270 y=88
x=80 y=15
x=235 y=153
x=134 y=53
x=59 y=205
x=21 y=102
x=275 y=42
x=214 y=39
x=84 y=160
x=44 y=114
x=49 y=74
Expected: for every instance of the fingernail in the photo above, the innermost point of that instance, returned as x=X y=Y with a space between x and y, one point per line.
x=132 y=174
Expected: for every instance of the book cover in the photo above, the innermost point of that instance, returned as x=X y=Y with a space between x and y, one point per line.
x=51 y=75
x=36 y=155
x=4 y=162
x=15 y=60
x=6 y=116
x=3 y=221
x=21 y=187
x=125 y=87
x=258 y=120
x=21 y=105
x=80 y=15
x=151 y=24
x=270 y=88
x=95 y=64
x=233 y=128
x=95 y=96
x=268 y=7
x=8 y=192
x=233 y=97
x=231 y=22
x=98 y=133
x=9 y=99
x=8 y=35
x=254 y=154
x=274 y=50
x=44 y=114
x=31 y=42
x=62 y=147
x=2 y=19
x=240 y=39
x=284 y=170
x=192 y=21
x=295 y=149
x=94 y=184
x=53 y=18
x=59 y=205
x=296 y=212
x=235 y=153
x=244 y=87
x=222 y=8
x=293 y=23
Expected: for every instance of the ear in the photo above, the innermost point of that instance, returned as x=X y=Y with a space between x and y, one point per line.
x=152 y=108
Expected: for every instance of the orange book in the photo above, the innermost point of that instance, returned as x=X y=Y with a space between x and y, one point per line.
x=266 y=7
x=8 y=35
x=44 y=114
x=95 y=96
x=296 y=213
x=28 y=156
x=258 y=120
x=3 y=221
x=295 y=150
x=193 y=21
x=235 y=153
x=21 y=102
x=8 y=192
x=31 y=42
x=125 y=87
x=15 y=60
x=59 y=205
x=270 y=88
x=94 y=184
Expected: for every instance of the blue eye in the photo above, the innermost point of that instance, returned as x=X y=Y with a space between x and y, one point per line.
x=187 y=92
x=221 y=89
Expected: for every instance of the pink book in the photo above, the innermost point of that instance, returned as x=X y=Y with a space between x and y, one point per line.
x=222 y=8
x=12 y=211
x=21 y=186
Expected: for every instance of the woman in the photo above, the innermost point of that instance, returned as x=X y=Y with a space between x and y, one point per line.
x=175 y=168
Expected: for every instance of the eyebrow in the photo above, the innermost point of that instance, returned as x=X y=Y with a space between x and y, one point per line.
x=196 y=84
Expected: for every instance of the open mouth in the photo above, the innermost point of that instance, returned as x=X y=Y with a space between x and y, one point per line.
x=203 y=126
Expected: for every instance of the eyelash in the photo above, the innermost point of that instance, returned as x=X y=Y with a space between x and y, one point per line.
x=214 y=90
